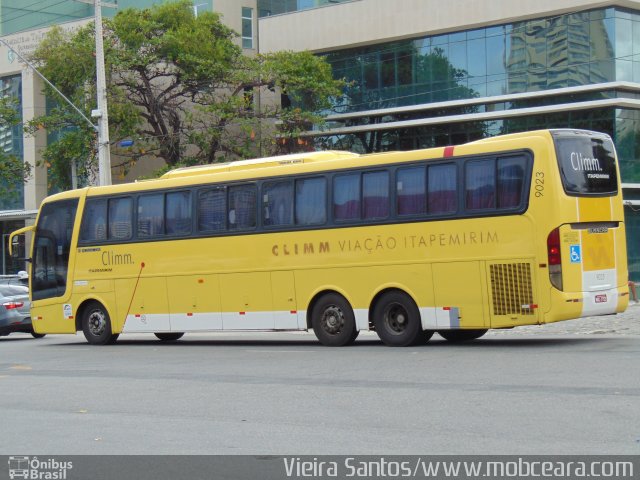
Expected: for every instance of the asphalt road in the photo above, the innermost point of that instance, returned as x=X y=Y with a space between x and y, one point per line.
x=571 y=388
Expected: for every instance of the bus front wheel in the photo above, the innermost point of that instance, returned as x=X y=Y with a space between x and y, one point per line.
x=333 y=321
x=397 y=320
x=457 y=336
x=96 y=325
x=169 y=337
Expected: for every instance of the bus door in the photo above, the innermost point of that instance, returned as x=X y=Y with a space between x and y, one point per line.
x=52 y=265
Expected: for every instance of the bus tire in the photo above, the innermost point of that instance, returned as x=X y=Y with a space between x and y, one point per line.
x=353 y=336
x=96 y=325
x=397 y=320
x=333 y=321
x=457 y=336
x=169 y=337
x=37 y=335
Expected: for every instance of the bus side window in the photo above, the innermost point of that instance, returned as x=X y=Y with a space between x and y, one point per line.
x=510 y=181
x=242 y=207
x=94 y=221
x=277 y=201
x=442 y=185
x=178 y=213
x=311 y=201
x=212 y=210
x=120 y=218
x=150 y=215
x=411 y=191
x=346 y=197
x=375 y=194
x=480 y=184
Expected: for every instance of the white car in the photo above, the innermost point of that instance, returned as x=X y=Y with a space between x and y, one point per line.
x=15 y=309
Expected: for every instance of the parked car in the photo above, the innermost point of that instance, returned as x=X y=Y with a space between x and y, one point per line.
x=20 y=278
x=15 y=308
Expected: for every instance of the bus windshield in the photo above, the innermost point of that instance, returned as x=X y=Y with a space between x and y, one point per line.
x=52 y=244
x=587 y=163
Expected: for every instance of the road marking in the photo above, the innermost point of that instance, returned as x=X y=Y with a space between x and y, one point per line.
x=20 y=367
x=280 y=351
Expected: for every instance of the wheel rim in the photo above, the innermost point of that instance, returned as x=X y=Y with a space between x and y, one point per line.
x=396 y=319
x=332 y=320
x=97 y=323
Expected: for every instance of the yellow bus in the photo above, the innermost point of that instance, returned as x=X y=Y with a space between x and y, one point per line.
x=512 y=230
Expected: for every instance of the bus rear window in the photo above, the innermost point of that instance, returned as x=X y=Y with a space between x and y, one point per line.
x=587 y=163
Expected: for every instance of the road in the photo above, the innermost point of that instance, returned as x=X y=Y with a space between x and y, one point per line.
x=568 y=388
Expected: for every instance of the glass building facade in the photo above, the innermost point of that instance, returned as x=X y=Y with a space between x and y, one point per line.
x=21 y=15
x=578 y=70
x=267 y=8
x=568 y=50
x=18 y=15
x=599 y=47
x=12 y=143
x=595 y=47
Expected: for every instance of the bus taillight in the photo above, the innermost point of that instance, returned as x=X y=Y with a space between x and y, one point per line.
x=554 y=258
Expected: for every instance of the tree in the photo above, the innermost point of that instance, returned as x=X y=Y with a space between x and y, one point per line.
x=181 y=88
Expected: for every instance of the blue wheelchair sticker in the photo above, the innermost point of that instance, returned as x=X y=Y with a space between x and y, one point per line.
x=574 y=253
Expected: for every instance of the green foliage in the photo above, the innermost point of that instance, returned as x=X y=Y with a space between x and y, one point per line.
x=67 y=60
x=180 y=87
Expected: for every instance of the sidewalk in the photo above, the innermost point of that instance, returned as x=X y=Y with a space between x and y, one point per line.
x=625 y=323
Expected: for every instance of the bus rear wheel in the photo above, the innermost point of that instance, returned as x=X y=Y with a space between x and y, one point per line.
x=397 y=320
x=169 y=337
x=96 y=325
x=333 y=321
x=457 y=336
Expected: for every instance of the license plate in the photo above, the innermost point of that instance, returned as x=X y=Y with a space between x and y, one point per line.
x=601 y=298
x=599 y=230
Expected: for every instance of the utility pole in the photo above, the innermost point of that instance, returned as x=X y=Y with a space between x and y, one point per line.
x=104 y=154
x=101 y=113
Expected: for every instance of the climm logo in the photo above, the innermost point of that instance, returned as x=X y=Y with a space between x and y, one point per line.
x=111 y=258
x=299 y=249
x=581 y=163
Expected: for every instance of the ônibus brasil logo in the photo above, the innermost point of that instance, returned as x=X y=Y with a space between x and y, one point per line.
x=35 y=469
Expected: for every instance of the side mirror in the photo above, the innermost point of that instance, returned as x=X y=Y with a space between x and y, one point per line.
x=16 y=242
x=17 y=247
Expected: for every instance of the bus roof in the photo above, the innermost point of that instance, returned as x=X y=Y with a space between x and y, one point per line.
x=259 y=163
x=186 y=175
x=302 y=162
